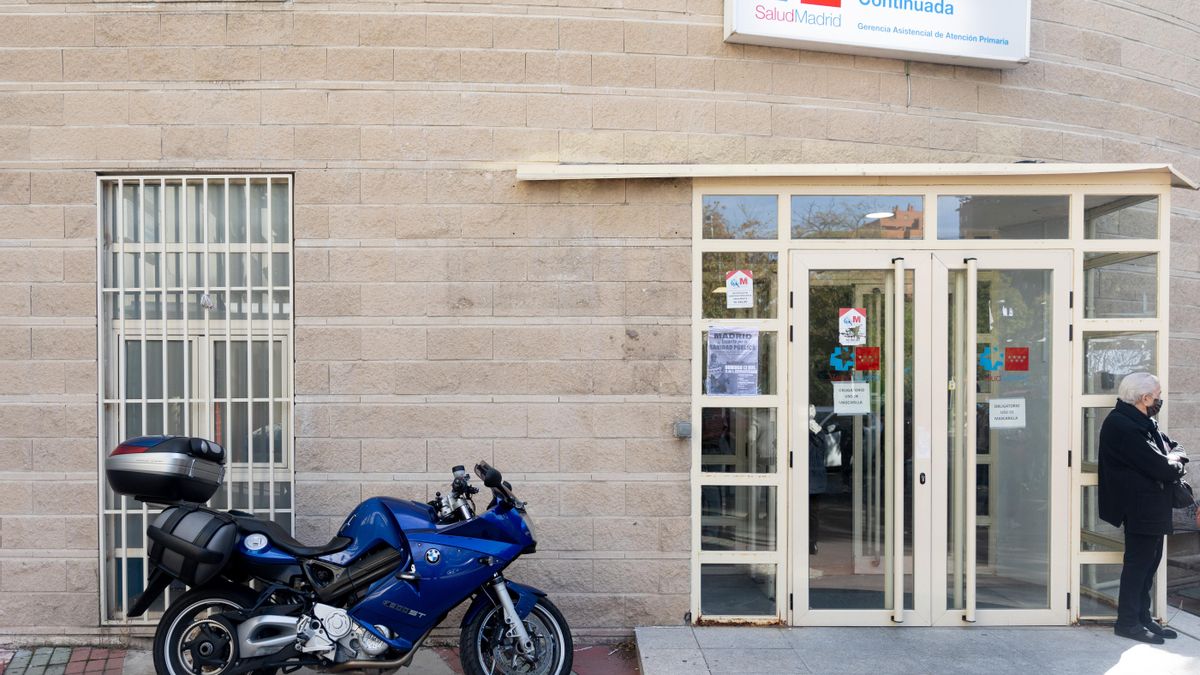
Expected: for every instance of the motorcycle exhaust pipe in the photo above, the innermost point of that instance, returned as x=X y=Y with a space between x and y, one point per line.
x=364 y=664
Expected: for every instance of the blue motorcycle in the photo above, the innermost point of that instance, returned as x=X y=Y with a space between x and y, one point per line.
x=366 y=601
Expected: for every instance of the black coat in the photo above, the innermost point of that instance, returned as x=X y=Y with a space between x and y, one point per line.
x=1135 y=476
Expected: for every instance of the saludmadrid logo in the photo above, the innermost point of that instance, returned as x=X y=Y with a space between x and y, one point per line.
x=802 y=15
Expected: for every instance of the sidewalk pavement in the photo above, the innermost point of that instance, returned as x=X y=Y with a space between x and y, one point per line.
x=1086 y=650
x=589 y=660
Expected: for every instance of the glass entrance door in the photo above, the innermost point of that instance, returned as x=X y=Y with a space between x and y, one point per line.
x=1002 y=382
x=925 y=386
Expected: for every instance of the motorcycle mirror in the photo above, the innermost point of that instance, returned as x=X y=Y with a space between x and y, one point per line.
x=492 y=478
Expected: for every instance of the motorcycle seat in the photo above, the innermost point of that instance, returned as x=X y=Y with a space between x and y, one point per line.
x=249 y=524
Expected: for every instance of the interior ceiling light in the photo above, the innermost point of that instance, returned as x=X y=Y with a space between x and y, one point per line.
x=880 y=214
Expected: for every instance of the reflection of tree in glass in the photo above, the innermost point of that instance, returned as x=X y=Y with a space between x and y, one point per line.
x=715 y=266
x=839 y=218
x=744 y=218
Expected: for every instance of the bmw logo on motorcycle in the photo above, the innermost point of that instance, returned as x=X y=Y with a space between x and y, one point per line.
x=433 y=556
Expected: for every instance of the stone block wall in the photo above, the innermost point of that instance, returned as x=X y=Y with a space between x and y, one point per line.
x=446 y=312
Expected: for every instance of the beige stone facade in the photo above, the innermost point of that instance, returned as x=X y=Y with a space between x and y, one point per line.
x=446 y=312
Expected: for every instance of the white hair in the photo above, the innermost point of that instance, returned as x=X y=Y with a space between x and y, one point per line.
x=1136 y=385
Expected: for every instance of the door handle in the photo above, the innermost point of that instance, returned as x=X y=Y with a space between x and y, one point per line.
x=922 y=478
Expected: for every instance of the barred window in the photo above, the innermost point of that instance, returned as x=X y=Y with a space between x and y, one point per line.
x=195 y=340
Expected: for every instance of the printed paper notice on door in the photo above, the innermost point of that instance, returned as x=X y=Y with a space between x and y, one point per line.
x=739 y=289
x=852 y=326
x=851 y=398
x=732 y=362
x=1006 y=413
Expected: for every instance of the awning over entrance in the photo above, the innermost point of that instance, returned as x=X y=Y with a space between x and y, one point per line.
x=541 y=172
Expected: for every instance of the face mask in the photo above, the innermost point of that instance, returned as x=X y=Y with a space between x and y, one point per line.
x=1153 y=408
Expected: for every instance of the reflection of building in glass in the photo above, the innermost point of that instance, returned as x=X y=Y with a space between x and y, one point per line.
x=905 y=223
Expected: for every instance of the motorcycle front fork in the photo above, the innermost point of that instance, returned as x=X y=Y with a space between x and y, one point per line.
x=516 y=627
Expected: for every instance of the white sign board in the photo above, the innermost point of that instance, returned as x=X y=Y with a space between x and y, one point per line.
x=739 y=289
x=852 y=326
x=987 y=33
x=851 y=398
x=1006 y=413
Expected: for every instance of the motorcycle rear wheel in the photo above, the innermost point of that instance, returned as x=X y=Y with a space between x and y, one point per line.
x=190 y=618
x=484 y=649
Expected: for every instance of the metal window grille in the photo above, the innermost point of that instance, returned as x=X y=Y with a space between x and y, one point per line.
x=195 y=339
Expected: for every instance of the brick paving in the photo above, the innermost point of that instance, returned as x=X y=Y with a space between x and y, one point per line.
x=62 y=661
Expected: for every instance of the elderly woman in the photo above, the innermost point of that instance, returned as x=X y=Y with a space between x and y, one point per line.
x=1138 y=464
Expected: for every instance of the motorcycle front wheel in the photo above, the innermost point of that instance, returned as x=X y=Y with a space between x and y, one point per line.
x=485 y=648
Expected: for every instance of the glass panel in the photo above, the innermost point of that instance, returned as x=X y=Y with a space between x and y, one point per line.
x=131 y=270
x=858 y=217
x=175 y=369
x=1002 y=217
x=152 y=277
x=172 y=230
x=1120 y=217
x=196 y=270
x=717 y=271
x=238 y=369
x=1120 y=285
x=738 y=440
x=259 y=376
x=283 y=440
x=237 y=270
x=283 y=493
x=851 y=484
x=731 y=372
x=216 y=270
x=258 y=269
x=220 y=363
x=195 y=212
x=258 y=211
x=1092 y=419
x=133 y=306
x=277 y=371
x=737 y=590
x=263 y=432
x=1095 y=534
x=154 y=306
x=151 y=195
x=133 y=369
x=154 y=419
x=956 y=441
x=737 y=518
x=154 y=369
x=216 y=211
x=237 y=305
x=280 y=209
x=238 y=432
x=133 y=420
x=1110 y=356
x=280 y=269
x=284 y=520
x=237 y=212
x=1014 y=371
x=1098 y=588
x=283 y=304
x=129 y=212
x=741 y=217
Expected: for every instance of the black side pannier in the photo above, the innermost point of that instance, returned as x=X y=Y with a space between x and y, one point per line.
x=166 y=469
x=192 y=543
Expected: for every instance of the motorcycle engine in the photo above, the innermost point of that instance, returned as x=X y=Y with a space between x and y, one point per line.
x=329 y=632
